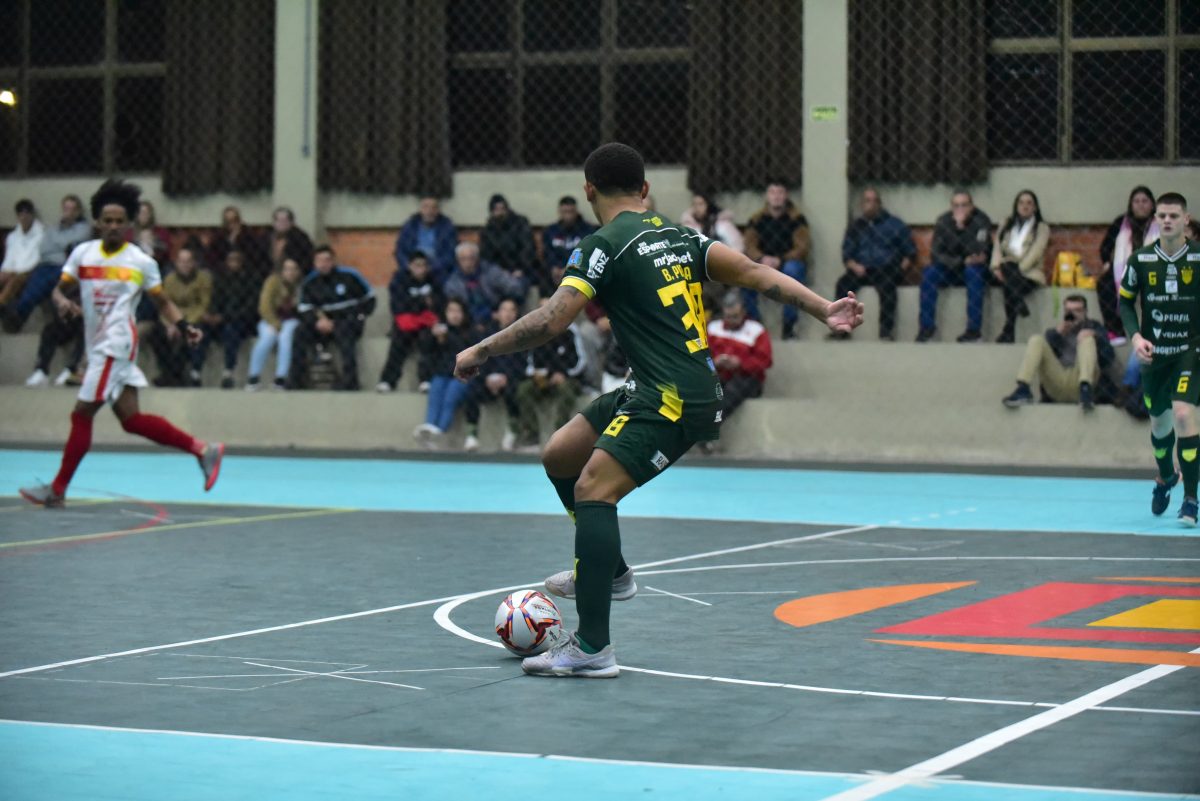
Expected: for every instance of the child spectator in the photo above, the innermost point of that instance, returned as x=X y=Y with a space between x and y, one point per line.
x=553 y=374
x=277 y=323
x=439 y=346
x=415 y=301
x=234 y=311
x=190 y=288
x=498 y=379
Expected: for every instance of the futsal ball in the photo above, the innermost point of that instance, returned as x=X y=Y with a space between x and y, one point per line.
x=524 y=622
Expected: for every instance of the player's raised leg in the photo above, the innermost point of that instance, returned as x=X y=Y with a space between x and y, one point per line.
x=588 y=653
x=160 y=430
x=564 y=458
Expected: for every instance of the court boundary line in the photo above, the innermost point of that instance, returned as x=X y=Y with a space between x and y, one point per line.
x=946 y=782
x=972 y=749
x=380 y=611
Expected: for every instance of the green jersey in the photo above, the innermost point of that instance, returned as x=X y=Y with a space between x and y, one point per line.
x=1169 y=285
x=646 y=271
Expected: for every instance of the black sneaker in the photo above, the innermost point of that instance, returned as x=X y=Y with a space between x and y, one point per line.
x=789 y=332
x=1021 y=396
x=1086 y=402
x=838 y=336
x=926 y=334
x=884 y=336
x=970 y=335
x=1162 y=495
x=1187 y=512
x=1007 y=337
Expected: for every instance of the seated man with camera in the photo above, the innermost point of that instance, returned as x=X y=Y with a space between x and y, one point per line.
x=1067 y=360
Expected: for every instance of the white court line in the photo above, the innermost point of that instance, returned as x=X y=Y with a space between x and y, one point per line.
x=386 y=609
x=674 y=595
x=335 y=675
x=968 y=751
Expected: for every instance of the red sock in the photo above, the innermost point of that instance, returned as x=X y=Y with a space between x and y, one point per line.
x=76 y=448
x=157 y=429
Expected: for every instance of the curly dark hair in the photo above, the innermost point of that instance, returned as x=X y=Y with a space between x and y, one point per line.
x=615 y=169
x=115 y=192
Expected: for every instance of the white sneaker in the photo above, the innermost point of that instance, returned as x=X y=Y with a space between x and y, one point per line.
x=471 y=443
x=508 y=441
x=566 y=659
x=563 y=585
x=383 y=387
x=253 y=385
x=423 y=387
x=63 y=378
x=427 y=434
x=38 y=379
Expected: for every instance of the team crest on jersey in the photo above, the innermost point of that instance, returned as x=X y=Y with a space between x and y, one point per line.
x=596 y=264
x=1186 y=274
x=576 y=258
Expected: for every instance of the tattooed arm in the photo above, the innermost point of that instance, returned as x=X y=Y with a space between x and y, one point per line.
x=730 y=267
x=539 y=326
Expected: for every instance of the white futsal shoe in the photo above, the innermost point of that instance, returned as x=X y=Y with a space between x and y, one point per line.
x=38 y=379
x=563 y=585
x=566 y=659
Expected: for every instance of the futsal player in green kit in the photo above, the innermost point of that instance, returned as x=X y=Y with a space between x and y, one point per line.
x=647 y=271
x=1166 y=275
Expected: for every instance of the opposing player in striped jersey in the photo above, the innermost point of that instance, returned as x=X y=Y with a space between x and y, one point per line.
x=112 y=274
x=647 y=271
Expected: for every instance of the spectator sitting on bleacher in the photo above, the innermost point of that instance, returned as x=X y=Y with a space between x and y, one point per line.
x=1067 y=360
x=335 y=302
x=498 y=379
x=777 y=236
x=149 y=235
x=558 y=240
x=234 y=235
x=57 y=332
x=22 y=247
x=1134 y=229
x=480 y=284
x=962 y=243
x=507 y=242
x=432 y=233
x=277 y=323
x=286 y=240
x=415 y=302
x=741 y=350
x=234 y=312
x=57 y=243
x=877 y=250
x=439 y=346
x=1017 y=254
x=705 y=216
x=553 y=374
x=190 y=288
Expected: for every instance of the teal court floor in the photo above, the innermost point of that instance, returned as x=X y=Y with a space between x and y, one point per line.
x=320 y=628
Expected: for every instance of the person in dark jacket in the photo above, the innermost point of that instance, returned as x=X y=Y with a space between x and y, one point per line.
x=234 y=311
x=432 y=233
x=497 y=380
x=558 y=240
x=286 y=240
x=335 y=302
x=962 y=248
x=415 y=302
x=877 y=249
x=1067 y=360
x=481 y=284
x=234 y=235
x=777 y=236
x=439 y=346
x=507 y=241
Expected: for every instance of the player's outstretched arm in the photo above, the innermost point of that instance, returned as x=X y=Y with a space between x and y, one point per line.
x=730 y=267
x=539 y=326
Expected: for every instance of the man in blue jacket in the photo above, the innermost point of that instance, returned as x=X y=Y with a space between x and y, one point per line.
x=432 y=233
x=877 y=249
x=335 y=302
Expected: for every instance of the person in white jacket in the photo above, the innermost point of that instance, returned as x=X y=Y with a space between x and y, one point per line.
x=21 y=249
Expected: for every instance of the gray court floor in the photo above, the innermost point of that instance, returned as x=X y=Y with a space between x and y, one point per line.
x=401 y=678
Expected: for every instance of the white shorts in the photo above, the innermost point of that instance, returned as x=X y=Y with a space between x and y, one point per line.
x=107 y=377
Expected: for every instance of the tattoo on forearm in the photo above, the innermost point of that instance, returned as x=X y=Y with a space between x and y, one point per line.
x=531 y=330
x=777 y=294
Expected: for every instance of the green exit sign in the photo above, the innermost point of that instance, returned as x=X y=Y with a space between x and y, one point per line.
x=824 y=113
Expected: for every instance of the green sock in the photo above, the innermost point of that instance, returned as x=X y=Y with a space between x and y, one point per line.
x=1164 y=456
x=597 y=551
x=1188 y=465
x=565 y=487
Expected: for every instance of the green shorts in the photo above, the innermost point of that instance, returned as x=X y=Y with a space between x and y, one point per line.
x=644 y=442
x=1173 y=381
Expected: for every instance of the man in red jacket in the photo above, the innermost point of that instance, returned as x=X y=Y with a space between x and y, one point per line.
x=741 y=350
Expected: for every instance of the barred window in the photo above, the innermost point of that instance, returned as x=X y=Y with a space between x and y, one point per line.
x=82 y=86
x=1092 y=81
x=543 y=82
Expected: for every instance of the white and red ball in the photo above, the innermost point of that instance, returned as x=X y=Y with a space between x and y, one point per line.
x=525 y=620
